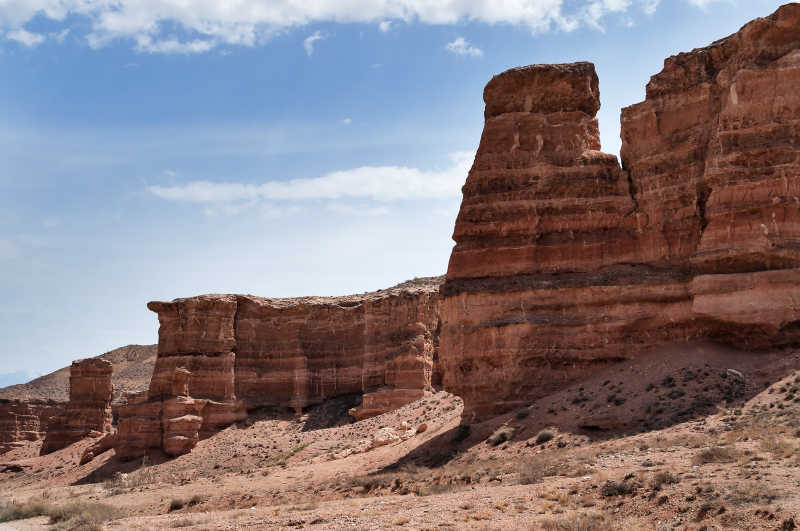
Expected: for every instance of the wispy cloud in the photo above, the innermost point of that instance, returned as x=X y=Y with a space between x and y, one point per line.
x=372 y=183
x=25 y=37
x=347 y=121
x=703 y=4
x=309 y=41
x=59 y=36
x=173 y=46
x=207 y=23
x=461 y=46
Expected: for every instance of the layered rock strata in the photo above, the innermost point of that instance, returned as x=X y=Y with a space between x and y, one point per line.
x=88 y=411
x=24 y=421
x=231 y=353
x=564 y=262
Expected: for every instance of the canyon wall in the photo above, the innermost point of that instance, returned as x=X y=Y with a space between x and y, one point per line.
x=88 y=411
x=220 y=355
x=25 y=420
x=564 y=262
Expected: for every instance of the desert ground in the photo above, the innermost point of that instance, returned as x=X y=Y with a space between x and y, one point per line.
x=694 y=436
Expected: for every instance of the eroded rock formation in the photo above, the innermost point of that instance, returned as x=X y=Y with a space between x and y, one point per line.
x=88 y=411
x=220 y=355
x=565 y=262
x=25 y=420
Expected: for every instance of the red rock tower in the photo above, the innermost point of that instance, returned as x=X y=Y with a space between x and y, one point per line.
x=88 y=411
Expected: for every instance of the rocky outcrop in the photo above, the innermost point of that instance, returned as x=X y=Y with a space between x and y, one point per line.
x=88 y=411
x=220 y=355
x=133 y=367
x=564 y=262
x=24 y=421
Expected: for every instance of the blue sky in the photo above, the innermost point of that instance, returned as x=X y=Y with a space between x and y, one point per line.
x=150 y=150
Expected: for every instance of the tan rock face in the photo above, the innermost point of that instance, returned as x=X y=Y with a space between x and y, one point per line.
x=222 y=354
x=25 y=420
x=89 y=406
x=564 y=262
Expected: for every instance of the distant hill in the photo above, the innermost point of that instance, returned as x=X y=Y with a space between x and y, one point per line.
x=133 y=367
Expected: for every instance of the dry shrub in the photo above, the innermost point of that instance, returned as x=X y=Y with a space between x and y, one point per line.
x=663 y=478
x=577 y=522
x=535 y=469
x=614 y=488
x=144 y=476
x=503 y=434
x=752 y=492
x=84 y=516
x=20 y=511
x=779 y=447
x=78 y=515
x=715 y=454
x=544 y=436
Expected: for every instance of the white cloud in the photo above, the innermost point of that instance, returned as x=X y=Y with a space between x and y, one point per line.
x=650 y=6
x=461 y=46
x=25 y=37
x=309 y=41
x=703 y=4
x=151 y=24
x=59 y=36
x=376 y=183
x=347 y=121
x=146 y=44
x=357 y=210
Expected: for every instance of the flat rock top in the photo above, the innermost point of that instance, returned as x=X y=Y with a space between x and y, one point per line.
x=93 y=364
x=415 y=286
x=544 y=89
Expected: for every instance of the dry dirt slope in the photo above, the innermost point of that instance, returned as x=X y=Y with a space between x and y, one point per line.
x=711 y=442
x=133 y=366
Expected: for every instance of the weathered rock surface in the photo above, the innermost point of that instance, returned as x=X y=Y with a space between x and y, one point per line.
x=25 y=420
x=222 y=354
x=564 y=262
x=89 y=408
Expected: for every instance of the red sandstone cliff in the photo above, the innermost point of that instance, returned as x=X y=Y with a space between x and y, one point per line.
x=25 y=420
x=565 y=262
x=219 y=355
x=89 y=408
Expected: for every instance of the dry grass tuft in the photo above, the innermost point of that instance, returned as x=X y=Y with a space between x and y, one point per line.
x=503 y=434
x=715 y=454
x=78 y=515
